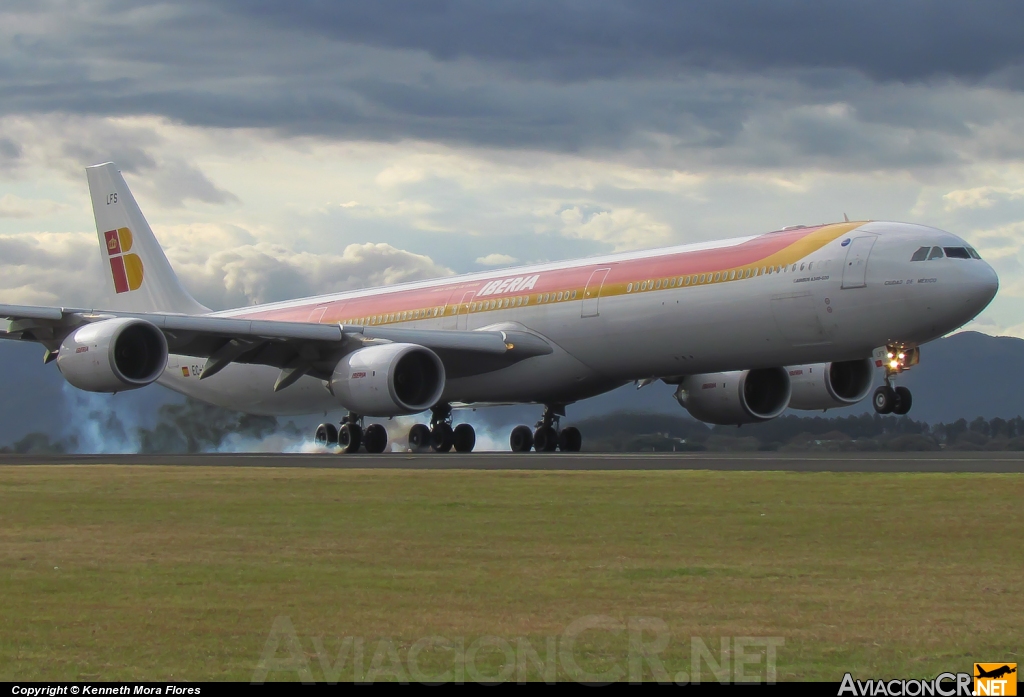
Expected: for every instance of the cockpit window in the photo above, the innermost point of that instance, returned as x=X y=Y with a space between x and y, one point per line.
x=936 y=253
x=957 y=253
x=921 y=254
x=973 y=252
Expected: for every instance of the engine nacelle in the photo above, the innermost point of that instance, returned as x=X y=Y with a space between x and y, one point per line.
x=112 y=355
x=736 y=397
x=389 y=380
x=830 y=385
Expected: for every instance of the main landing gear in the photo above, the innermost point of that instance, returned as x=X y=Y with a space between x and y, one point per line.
x=547 y=437
x=440 y=436
x=351 y=435
x=895 y=400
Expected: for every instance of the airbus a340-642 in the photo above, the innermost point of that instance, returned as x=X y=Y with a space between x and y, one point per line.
x=799 y=318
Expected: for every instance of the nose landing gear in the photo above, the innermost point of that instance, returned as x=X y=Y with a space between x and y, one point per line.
x=895 y=400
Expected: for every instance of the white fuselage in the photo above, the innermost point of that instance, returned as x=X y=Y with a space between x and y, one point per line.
x=833 y=293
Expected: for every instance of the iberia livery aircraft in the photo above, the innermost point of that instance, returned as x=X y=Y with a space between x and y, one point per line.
x=746 y=327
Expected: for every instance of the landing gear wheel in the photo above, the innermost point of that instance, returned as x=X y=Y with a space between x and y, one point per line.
x=903 y=401
x=464 y=438
x=375 y=440
x=350 y=437
x=570 y=440
x=545 y=439
x=419 y=437
x=884 y=399
x=442 y=438
x=521 y=439
x=326 y=435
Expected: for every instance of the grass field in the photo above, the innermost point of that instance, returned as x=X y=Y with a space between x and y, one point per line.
x=202 y=573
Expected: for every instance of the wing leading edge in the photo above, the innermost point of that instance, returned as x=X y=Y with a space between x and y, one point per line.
x=296 y=348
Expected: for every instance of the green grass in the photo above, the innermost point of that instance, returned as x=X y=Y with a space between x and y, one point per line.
x=180 y=573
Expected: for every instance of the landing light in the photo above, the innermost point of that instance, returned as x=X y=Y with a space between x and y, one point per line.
x=894 y=364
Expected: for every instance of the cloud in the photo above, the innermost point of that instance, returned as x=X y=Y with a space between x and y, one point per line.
x=707 y=80
x=623 y=228
x=261 y=272
x=496 y=260
x=980 y=197
x=65 y=269
x=12 y=206
x=567 y=40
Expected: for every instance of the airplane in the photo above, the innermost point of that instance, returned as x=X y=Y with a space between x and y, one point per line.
x=799 y=317
x=995 y=672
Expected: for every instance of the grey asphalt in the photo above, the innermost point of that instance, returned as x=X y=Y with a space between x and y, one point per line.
x=730 y=462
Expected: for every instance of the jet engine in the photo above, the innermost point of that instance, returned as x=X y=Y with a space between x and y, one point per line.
x=830 y=385
x=388 y=380
x=736 y=397
x=112 y=355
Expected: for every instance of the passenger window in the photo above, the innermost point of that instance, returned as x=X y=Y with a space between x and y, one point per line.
x=657 y=284
x=921 y=254
x=717 y=274
x=973 y=252
x=810 y=265
x=957 y=253
x=801 y=266
x=629 y=287
x=686 y=281
x=574 y=295
x=936 y=253
x=732 y=275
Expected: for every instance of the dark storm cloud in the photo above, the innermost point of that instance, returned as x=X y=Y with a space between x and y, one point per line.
x=674 y=84
x=581 y=39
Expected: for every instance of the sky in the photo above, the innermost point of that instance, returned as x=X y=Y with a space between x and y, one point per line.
x=288 y=149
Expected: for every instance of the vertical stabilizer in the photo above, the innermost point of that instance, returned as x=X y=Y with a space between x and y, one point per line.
x=139 y=277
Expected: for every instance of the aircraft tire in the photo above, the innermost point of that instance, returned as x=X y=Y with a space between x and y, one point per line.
x=570 y=440
x=375 y=440
x=903 y=401
x=350 y=437
x=521 y=440
x=442 y=438
x=326 y=435
x=464 y=438
x=884 y=399
x=419 y=437
x=545 y=439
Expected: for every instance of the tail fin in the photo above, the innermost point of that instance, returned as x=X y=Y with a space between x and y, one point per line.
x=138 y=273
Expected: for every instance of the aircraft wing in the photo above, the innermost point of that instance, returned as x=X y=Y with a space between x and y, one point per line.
x=313 y=348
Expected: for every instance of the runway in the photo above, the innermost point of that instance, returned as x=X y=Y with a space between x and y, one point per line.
x=997 y=462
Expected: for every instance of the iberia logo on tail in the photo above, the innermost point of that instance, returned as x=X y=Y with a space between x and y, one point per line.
x=125 y=268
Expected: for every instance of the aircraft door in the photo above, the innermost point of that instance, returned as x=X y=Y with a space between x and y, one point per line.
x=592 y=293
x=856 y=268
x=317 y=314
x=462 y=310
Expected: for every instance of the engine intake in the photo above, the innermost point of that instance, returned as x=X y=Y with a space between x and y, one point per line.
x=735 y=397
x=112 y=355
x=389 y=380
x=830 y=385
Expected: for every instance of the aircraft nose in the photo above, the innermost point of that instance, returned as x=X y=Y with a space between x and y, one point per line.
x=982 y=286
